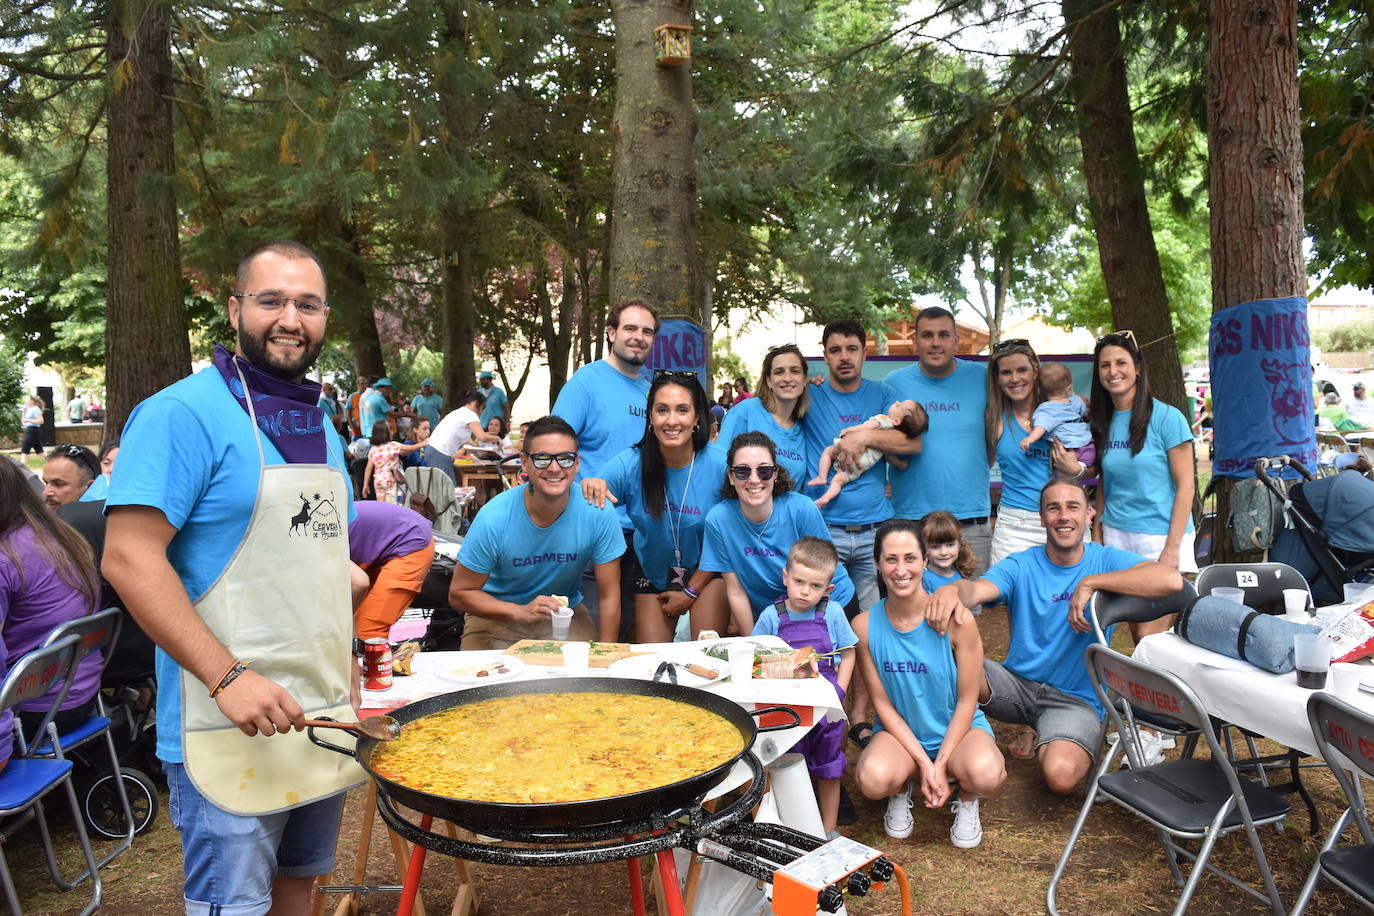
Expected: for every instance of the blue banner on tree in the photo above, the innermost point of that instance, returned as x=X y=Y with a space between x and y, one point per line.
x=1261 y=367
x=680 y=345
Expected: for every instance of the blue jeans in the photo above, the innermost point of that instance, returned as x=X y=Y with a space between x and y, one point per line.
x=856 y=555
x=231 y=860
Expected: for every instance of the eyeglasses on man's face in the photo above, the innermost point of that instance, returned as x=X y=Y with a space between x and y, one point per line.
x=310 y=306
x=541 y=460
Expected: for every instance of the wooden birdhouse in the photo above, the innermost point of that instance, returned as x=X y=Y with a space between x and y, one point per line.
x=672 y=45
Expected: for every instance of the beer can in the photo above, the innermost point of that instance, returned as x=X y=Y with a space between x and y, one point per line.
x=376 y=664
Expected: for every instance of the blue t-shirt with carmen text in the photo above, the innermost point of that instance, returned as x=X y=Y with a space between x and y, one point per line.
x=756 y=554
x=522 y=561
x=750 y=415
x=690 y=493
x=1044 y=648
x=863 y=501
x=951 y=470
x=608 y=411
x=1139 y=489
x=189 y=451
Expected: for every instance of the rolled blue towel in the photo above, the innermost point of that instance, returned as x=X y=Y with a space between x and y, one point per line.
x=1234 y=630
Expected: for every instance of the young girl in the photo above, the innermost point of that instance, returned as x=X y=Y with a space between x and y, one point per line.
x=948 y=556
x=383 y=472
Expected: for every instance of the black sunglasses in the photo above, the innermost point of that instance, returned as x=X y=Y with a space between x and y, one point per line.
x=77 y=453
x=1010 y=342
x=741 y=472
x=542 y=460
x=677 y=375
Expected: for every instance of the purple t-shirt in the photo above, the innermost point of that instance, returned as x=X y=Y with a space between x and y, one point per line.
x=31 y=606
x=384 y=531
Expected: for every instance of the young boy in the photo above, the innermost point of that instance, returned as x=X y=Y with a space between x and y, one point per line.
x=1060 y=415
x=807 y=617
x=906 y=416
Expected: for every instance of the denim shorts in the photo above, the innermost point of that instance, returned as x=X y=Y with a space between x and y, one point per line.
x=231 y=861
x=1054 y=714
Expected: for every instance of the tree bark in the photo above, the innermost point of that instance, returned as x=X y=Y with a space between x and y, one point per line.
x=460 y=316
x=1254 y=150
x=1116 y=192
x=146 y=343
x=653 y=243
x=355 y=314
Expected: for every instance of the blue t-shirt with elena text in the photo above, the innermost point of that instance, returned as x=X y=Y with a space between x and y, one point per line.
x=951 y=470
x=1044 y=648
x=1139 y=489
x=522 y=561
x=608 y=411
x=689 y=493
x=189 y=451
x=756 y=553
x=863 y=501
x=750 y=416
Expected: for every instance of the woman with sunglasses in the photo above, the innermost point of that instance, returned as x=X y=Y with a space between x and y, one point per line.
x=750 y=532
x=1145 y=502
x=1013 y=393
x=667 y=483
x=777 y=410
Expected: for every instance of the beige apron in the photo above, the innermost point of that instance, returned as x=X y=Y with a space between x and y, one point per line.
x=282 y=603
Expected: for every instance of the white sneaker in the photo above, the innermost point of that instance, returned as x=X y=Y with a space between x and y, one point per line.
x=898 y=822
x=1152 y=746
x=967 y=830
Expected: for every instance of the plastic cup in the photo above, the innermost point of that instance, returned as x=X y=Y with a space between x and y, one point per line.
x=741 y=663
x=576 y=657
x=1345 y=680
x=1230 y=594
x=562 y=620
x=1355 y=592
x=1312 y=658
x=1295 y=604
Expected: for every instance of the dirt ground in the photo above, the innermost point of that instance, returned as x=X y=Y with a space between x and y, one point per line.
x=1118 y=866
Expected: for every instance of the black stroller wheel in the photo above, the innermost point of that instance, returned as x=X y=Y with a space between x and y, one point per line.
x=104 y=812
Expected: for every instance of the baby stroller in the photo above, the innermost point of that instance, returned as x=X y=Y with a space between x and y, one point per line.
x=1328 y=532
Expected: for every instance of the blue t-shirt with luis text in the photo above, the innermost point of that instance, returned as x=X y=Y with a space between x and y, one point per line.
x=522 y=561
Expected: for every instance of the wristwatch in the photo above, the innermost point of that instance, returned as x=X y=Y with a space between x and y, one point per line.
x=359 y=648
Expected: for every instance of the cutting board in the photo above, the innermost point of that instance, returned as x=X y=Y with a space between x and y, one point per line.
x=550 y=652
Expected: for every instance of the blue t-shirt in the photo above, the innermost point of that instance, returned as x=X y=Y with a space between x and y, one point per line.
x=1044 y=648
x=1139 y=489
x=749 y=416
x=689 y=493
x=863 y=501
x=608 y=411
x=431 y=408
x=951 y=470
x=920 y=677
x=1023 y=473
x=373 y=410
x=328 y=405
x=189 y=451
x=1064 y=421
x=842 y=635
x=98 y=490
x=522 y=561
x=495 y=404
x=756 y=554
x=931 y=580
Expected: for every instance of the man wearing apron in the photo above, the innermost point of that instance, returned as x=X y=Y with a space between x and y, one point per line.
x=228 y=540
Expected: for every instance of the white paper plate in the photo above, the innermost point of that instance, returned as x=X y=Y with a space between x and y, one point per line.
x=642 y=667
x=465 y=674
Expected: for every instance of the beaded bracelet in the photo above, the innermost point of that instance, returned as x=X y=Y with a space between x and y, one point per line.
x=691 y=592
x=237 y=668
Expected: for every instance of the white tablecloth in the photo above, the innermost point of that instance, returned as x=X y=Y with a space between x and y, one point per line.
x=1272 y=705
x=814 y=692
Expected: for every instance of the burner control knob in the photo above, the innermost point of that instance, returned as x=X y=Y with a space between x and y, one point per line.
x=859 y=884
x=882 y=870
x=831 y=899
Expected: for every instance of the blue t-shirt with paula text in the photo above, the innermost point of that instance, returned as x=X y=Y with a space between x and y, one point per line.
x=750 y=416
x=522 y=561
x=1044 y=648
x=863 y=501
x=951 y=471
x=689 y=494
x=1138 y=490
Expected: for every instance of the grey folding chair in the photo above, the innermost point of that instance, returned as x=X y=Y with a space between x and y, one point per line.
x=1181 y=799
x=1345 y=739
x=1108 y=609
x=25 y=780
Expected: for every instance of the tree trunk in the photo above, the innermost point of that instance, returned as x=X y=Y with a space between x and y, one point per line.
x=1254 y=149
x=557 y=329
x=1116 y=192
x=146 y=343
x=653 y=241
x=460 y=317
x=355 y=314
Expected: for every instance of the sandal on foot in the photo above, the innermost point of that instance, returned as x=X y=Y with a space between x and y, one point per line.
x=1022 y=747
x=861 y=733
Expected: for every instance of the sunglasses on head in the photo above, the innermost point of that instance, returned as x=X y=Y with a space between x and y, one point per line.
x=1128 y=336
x=542 y=460
x=677 y=375
x=77 y=453
x=741 y=472
x=1009 y=343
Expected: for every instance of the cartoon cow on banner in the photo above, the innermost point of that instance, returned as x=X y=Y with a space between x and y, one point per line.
x=1290 y=406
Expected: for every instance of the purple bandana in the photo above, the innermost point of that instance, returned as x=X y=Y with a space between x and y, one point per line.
x=287 y=412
